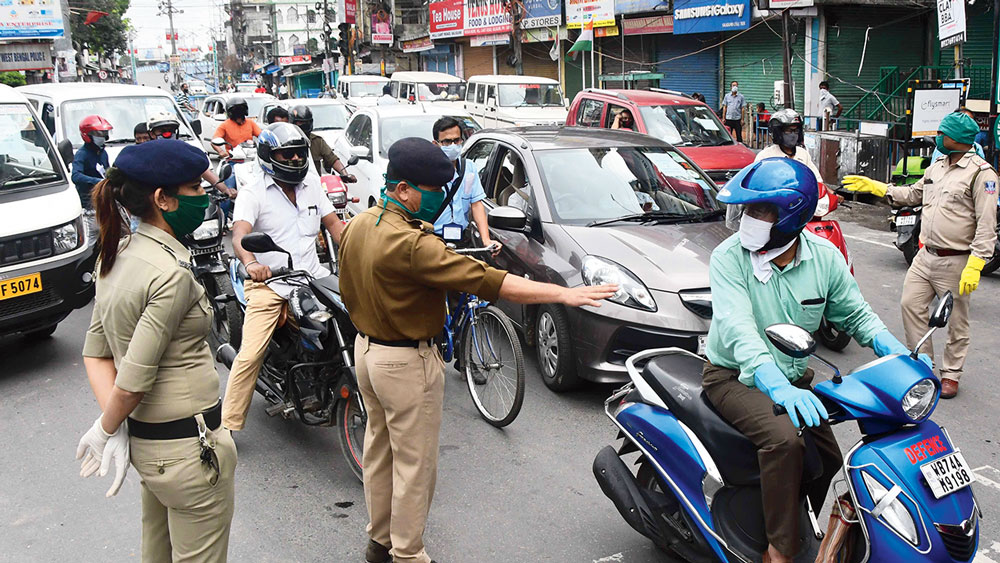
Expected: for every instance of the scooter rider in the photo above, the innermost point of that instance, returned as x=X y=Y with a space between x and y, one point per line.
x=236 y=128
x=288 y=204
x=90 y=163
x=773 y=272
x=958 y=232
x=164 y=125
x=319 y=150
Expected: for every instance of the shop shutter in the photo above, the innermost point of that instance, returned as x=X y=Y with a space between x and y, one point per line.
x=477 y=60
x=845 y=42
x=536 y=60
x=754 y=59
x=639 y=54
x=695 y=73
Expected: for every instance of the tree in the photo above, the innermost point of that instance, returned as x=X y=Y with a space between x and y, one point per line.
x=12 y=78
x=107 y=35
x=312 y=46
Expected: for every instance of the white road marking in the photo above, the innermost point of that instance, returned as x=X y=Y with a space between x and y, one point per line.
x=985 y=481
x=869 y=241
x=619 y=557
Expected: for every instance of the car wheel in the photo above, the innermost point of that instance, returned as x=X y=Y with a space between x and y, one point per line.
x=554 y=346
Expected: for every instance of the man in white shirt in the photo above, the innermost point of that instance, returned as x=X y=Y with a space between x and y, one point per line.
x=286 y=202
x=829 y=105
x=386 y=98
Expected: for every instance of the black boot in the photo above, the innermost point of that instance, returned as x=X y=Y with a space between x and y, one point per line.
x=377 y=553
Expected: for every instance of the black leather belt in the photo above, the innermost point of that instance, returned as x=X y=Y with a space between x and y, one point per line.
x=946 y=251
x=398 y=343
x=175 y=429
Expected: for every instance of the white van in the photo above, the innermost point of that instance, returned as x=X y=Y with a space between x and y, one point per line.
x=436 y=87
x=46 y=259
x=360 y=90
x=515 y=101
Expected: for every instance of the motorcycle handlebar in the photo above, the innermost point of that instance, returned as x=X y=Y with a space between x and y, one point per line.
x=779 y=410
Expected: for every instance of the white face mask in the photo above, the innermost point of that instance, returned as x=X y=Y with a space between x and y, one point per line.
x=754 y=233
x=735 y=89
x=452 y=152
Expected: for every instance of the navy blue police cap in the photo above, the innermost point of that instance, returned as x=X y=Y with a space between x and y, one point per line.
x=163 y=162
x=420 y=162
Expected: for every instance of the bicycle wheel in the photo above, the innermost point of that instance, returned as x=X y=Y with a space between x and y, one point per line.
x=494 y=366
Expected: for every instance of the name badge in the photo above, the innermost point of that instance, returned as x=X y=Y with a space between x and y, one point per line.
x=452 y=232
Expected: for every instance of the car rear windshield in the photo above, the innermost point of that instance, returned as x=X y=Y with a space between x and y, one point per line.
x=587 y=185
x=523 y=95
x=396 y=128
x=685 y=126
x=26 y=156
x=366 y=89
x=329 y=116
x=124 y=113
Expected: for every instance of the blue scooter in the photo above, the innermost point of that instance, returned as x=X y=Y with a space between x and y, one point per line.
x=696 y=493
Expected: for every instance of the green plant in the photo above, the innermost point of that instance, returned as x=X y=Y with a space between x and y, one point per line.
x=107 y=35
x=12 y=78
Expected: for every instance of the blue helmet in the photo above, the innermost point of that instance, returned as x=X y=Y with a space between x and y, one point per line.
x=285 y=137
x=787 y=184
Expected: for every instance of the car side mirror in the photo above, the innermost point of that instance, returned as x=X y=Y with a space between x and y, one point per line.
x=219 y=117
x=218 y=142
x=491 y=102
x=196 y=127
x=259 y=242
x=507 y=218
x=791 y=340
x=65 y=149
x=361 y=152
x=939 y=318
x=352 y=160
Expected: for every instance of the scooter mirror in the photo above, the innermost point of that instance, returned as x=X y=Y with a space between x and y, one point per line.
x=791 y=340
x=259 y=242
x=218 y=141
x=942 y=312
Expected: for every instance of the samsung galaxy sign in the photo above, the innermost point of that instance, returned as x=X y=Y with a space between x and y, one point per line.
x=706 y=16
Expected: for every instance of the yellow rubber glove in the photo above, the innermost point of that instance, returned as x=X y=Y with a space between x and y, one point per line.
x=865 y=185
x=970 y=275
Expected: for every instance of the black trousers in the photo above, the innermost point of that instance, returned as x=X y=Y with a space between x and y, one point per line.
x=737 y=126
x=780 y=451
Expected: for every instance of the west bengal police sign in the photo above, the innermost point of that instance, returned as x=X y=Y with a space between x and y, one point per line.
x=704 y=16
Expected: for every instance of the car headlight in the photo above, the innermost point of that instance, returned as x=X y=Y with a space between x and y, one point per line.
x=698 y=301
x=208 y=230
x=631 y=292
x=67 y=237
x=919 y=400
x=890 y=510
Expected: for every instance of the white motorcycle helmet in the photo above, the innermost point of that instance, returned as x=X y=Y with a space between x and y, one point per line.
x=163 y=125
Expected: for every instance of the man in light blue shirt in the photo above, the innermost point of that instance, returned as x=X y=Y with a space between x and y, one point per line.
x=468 y=200
x=773 y=272
x=732 y=110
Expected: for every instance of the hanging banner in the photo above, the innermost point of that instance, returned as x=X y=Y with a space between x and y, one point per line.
x=648 y=25
x=25 y=56
x=350 y=11
x=542 y=13
x=640 y=6
x=417 y=45
x=382 y=28
x=930 y=106
x=951 y=22
x=579 y=11
x=447 y=19
x=485 y=17
x=610 y=31
x=24 y=18
x=490 y=40
x=707 y=16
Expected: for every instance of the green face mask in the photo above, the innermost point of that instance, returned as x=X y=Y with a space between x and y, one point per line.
x=430 y=204
x=189 y=215
x=939 y=140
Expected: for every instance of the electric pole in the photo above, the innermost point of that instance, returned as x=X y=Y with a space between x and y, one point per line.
x=167 y=7
x=516 y=16
x=327 y=36
x=787 y=62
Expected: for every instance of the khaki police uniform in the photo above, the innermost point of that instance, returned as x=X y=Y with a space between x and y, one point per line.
x=151 y=316
x=959 y=217
x=321 y=154
x=395 y=274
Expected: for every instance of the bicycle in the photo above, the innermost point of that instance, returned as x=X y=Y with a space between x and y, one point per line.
x=487 y=346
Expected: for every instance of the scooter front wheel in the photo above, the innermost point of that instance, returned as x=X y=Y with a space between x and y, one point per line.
x=832 y=337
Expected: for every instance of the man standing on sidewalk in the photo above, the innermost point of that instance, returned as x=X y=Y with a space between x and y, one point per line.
x=732 y=110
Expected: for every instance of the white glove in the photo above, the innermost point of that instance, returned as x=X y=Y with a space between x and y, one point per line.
x=98 y=449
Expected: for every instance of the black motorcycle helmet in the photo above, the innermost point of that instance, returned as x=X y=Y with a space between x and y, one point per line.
x=303 y=117
x=236 y=108
x=283 y=152
x=782 y=119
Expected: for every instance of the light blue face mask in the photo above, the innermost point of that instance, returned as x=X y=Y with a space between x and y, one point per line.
x=452 y=152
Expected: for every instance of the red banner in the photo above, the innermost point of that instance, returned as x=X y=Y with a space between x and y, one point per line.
x=447 y=19
x=350 y=11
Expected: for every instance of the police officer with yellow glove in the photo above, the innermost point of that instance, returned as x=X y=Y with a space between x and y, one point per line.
x=395 y=273
x=958 y=231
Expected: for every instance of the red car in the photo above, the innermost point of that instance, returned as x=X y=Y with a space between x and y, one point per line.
x=688 y=124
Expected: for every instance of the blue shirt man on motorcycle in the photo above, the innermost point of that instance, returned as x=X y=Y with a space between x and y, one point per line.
x=773 y=272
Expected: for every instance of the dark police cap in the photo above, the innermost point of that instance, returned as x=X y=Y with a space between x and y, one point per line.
x=163 y=162
x=421 y=162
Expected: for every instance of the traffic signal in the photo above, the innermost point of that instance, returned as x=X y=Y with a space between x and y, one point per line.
x=343 y=43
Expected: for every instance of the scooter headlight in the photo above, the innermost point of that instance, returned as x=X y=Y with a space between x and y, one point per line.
x=208 y=230
x=919 y=400
x=890 y=510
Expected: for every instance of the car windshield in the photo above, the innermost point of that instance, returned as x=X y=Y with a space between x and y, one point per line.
x=520 y=95
x=396 y=128
x=365 y=89
x=26 y=157
x=685 y=126
x=329 y=116
x=124 y=113
x=440 y=92
x=597 y=184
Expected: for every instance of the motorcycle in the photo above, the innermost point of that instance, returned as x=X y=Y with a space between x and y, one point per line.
x=697 y=495
x=828 y=334
x=336 y=191
x=905 y=222
x=308 y=370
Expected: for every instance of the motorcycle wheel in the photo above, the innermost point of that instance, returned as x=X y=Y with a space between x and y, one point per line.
x=227 y=326
x=832 y=337
x=351 y=423
x=690 y=550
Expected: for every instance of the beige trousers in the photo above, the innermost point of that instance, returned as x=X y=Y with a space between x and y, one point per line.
x=187 y=506
x=929 y=276
x=263 y=309
x=403 y=390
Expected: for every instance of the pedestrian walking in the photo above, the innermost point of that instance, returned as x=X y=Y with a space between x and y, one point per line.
x=958 y=233
x=148 y=363
x=395 y=274
x=732 y=110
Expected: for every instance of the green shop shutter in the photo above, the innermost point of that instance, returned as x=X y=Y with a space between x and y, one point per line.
x=694 y=73
x=754 y=59
x=845 y=42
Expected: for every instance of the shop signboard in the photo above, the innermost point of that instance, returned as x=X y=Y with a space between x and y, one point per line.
x=710 y=16
x=350 y=11
x=26 y=19
x=25 y=56
x=951 y=22
x=542 y=13
x=447 y=19
x=648 y=25
x=929 y=108
x=294 y=60
x=579 y=11
x=486 y=17
x=640 y=6
x=417 y=45
x=490 y=40
x=382 y=28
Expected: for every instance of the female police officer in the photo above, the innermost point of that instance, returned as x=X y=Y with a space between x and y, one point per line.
x=147 y=359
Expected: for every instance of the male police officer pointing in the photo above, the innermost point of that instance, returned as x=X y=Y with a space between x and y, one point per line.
x=958 y=230
x=395 y=275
